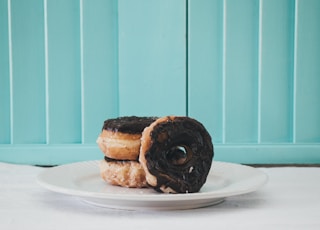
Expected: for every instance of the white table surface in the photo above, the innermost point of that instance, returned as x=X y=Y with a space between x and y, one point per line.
x=290 y=200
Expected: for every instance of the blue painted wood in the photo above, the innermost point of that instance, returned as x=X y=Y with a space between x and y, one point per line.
x=4 y=75
x=276 y=70
x=268 y=153
x=240 y=70
x=238 y=153
x=64 y=72
x=76 y=63
x=152 y=57
x=205 y=47
x=307 y=72
x=28 y=92
x=49 y=154
x=100 y=66
x=259 y=96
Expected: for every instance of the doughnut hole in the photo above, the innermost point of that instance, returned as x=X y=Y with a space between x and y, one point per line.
x=179 y=155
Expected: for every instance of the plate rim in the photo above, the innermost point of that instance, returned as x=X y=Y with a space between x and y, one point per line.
x=219 y=193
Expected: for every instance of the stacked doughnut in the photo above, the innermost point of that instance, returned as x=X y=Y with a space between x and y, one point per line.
x=171 y=154
x=120 y=142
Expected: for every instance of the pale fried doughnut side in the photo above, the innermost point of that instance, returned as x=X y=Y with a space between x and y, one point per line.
x=123 y=173
x=119 y=146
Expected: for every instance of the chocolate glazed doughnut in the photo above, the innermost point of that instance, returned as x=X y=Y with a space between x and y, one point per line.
x=120 y=137
x=120 y=143
x=128 y=124
x=176 y=154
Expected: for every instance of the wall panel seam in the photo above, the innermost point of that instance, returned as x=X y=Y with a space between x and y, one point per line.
x=46 y=63
x=294 y=91
x=10 y=69
x=259 y=69
x=82 y=90
x=224 y=52
x=116 y=51
x=187 y=57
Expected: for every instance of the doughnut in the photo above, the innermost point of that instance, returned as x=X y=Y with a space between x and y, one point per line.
x=176 y=154
x=120 y=137
x=120 y=142
x=123 y=173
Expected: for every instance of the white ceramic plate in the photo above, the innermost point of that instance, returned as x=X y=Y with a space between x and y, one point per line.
x=83 y=180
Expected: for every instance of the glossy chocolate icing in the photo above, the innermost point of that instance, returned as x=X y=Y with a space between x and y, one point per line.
x=128 y=124
x=180 y=155
x=108 y=159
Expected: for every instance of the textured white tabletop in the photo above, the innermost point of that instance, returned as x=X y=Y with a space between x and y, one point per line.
x=290 y=200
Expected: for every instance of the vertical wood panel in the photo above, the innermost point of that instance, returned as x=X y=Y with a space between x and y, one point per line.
x=64 y=71
x=99 y=65
x=205 y=64
x=4 y=75
x=152 y=57
x=308 y=71
x=28 y=71
x=245 y=73
x=242 y=19
x=276 y=71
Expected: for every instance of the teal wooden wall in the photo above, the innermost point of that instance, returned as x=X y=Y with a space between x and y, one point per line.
x=249 y=70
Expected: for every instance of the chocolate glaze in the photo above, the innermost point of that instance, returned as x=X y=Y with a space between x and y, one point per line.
x=108 y=159
x=129 y=124
x=183 y=138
